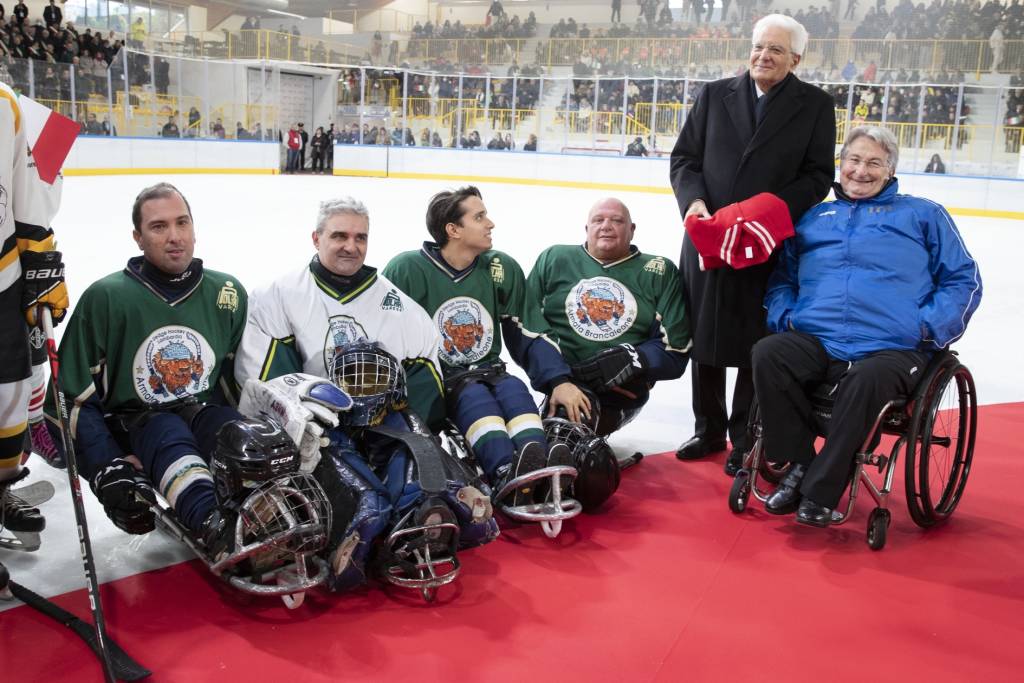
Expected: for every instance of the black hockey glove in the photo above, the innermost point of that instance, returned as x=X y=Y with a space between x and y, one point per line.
x=612 y=367
x=43 y=276
x=126 y=495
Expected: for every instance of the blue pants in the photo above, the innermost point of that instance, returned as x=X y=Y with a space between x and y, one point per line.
x=498 y=417
x=175 y=457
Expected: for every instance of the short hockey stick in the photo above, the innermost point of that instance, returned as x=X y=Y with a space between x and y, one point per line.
x=91 y=584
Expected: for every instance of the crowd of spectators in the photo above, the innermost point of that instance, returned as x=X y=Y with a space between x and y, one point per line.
x=943 y=19
x=502 y=26
x=53 y=45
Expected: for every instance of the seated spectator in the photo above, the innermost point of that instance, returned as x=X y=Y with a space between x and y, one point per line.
x=860 y=299
x=170 y=129
x=636 y=148
x=531 y=143
x=935 y=165
x=496 y=142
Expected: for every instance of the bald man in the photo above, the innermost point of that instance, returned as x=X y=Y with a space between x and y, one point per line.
x=617 y=313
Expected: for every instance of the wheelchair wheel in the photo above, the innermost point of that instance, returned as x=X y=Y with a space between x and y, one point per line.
x=878 y=528
x=940 y=445
x=739 y=494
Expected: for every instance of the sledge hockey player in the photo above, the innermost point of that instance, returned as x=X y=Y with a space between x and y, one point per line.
x=31 y=275
x=477 y=298
x=337 y=318
x=618 y=314
x=143 y=361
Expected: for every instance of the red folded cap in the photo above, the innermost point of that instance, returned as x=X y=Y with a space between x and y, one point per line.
x=741 y=234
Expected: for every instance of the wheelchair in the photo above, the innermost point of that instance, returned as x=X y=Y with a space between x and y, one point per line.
x=935 y=425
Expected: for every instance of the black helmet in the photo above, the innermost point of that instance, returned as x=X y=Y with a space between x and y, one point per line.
x=251 y=450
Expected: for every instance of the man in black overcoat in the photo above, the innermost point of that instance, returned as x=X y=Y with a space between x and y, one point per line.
x=763 y=131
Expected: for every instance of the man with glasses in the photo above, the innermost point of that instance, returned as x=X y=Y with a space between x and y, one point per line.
x=763 y=131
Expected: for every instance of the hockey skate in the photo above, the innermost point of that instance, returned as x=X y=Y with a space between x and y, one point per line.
x=534 y=487
x=20 y=520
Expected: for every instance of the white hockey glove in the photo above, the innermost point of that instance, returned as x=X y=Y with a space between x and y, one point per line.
x=306 y=405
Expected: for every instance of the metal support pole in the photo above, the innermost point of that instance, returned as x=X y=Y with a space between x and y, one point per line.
x=362 y=101
x=71 y=94
x=919 y=141
x=625 y=111
x=458 y=114
x=515 y=91
x=405 y=107
x=956 y=127
x=654 y=116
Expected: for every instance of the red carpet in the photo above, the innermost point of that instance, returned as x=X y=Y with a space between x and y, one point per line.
x=666 y=585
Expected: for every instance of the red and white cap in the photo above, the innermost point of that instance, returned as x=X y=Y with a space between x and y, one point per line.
x=741 y=234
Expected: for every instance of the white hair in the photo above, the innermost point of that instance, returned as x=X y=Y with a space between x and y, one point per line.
x=797 y=33
x=333 y=207
x=882 y=136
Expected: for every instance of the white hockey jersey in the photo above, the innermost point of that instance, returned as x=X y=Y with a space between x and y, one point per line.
x=297 y=322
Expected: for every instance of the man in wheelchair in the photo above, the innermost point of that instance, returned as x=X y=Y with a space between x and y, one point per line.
x=871 y=285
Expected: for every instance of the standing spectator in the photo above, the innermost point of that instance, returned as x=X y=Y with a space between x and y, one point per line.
x=294 y=145
x=138 y=32
x=52 y=16
x=304 y=136
x=20 y=13
x=161 y=75
x=329 y=151
x=194 y=119
x=317 y=150
x=764 y=131
x=851 y=8
x=616 y=11
x=218 y=130
x=240 y=132
x=170 y=129
x=995 y=41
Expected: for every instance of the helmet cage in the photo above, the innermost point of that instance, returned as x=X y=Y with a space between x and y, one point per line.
x=280 y=527
x=411 y=560
x=249 y=451
x=374 y=380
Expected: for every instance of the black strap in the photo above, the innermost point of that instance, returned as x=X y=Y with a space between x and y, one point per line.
x=430 y=467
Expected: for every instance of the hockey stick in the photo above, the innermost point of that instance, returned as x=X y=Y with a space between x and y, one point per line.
x=91 y=584
x=124 y=667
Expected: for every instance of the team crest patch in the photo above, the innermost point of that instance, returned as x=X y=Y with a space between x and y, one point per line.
x=600 y=308
x=656 y=266
x=391 y=302
x=341 y=330
x=497 y=271
x=227 y=299
x=172 y=363
x=467 y=331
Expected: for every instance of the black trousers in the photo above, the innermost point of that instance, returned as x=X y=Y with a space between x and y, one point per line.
x=712 y=422
x=787 y=367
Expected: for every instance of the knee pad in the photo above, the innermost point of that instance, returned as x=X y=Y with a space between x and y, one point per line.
x=360 y=513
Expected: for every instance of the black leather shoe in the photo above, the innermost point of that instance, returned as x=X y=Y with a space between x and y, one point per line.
x=786 y=498
x=734 y=462
x=698 y=447
x=812 y=514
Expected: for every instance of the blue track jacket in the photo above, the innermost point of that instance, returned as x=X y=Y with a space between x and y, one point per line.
x=889 y=272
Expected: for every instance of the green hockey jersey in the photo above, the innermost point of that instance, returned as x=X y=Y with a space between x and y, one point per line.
x=591 y=305
x=475 y=309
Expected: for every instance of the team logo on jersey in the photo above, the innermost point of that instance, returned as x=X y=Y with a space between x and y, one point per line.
x=36 y=338
x=228 y=297
x=341 y=330
x=497 y=271
x=391 y=302
x=656 y=265
x=172 y=363
x=467 y=331
x=600 y=308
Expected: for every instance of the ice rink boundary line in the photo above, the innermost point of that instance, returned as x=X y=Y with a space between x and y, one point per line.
x=541 y=182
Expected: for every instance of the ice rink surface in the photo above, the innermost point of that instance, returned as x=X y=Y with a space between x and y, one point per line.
x=258 y=227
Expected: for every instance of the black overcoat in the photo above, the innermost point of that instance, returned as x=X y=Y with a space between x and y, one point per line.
x=720 y=158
